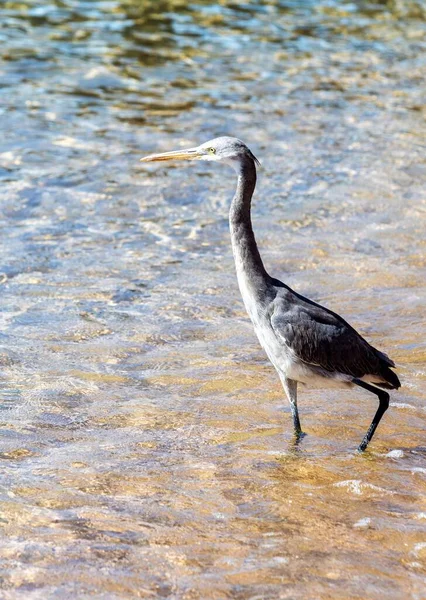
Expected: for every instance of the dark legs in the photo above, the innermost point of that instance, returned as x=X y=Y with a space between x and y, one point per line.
x=290 y=388
x=383 y=406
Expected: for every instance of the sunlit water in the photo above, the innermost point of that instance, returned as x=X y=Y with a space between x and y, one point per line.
x=146 y=444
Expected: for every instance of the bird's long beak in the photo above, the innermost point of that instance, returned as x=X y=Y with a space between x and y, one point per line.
x=189 y=154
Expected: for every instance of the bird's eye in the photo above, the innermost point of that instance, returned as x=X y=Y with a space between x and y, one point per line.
x=212 y=151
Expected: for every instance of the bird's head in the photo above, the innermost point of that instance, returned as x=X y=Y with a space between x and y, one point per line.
x=226 y=149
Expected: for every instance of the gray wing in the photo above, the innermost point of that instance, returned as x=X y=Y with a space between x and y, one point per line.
x=321 y=338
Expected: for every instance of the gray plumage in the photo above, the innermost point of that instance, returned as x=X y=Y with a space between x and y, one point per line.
x=325 y=341
x=306 y=342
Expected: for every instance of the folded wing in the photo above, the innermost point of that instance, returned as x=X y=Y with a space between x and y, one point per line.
x=322 y=339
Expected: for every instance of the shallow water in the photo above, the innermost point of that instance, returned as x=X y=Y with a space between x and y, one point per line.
x=146 y=444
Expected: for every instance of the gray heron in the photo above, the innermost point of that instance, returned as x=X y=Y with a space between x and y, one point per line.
x=306 y=342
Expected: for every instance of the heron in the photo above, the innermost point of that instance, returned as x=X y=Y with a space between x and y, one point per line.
x=307 y=343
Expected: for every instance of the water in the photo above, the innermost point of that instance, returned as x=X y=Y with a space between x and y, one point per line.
x=146 y=444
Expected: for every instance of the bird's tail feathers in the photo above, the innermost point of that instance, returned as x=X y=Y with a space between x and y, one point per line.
x=385 y=378
x=391 y=380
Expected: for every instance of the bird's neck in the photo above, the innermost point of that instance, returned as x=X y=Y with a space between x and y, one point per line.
x=248 y=263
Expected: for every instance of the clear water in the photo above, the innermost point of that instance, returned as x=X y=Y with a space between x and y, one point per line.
x=146 y=444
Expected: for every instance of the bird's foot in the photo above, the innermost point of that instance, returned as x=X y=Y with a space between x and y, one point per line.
x=363 y=445
x=297 y=438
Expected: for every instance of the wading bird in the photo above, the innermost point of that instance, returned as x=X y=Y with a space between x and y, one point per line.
x=306 y=342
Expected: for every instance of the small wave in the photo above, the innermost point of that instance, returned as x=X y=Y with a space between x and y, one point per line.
x=358 y=487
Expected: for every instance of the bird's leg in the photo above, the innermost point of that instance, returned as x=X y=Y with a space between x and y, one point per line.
x=383 y=406
x=290 y=388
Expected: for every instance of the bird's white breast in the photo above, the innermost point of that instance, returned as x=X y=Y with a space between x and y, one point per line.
x=280 y=356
